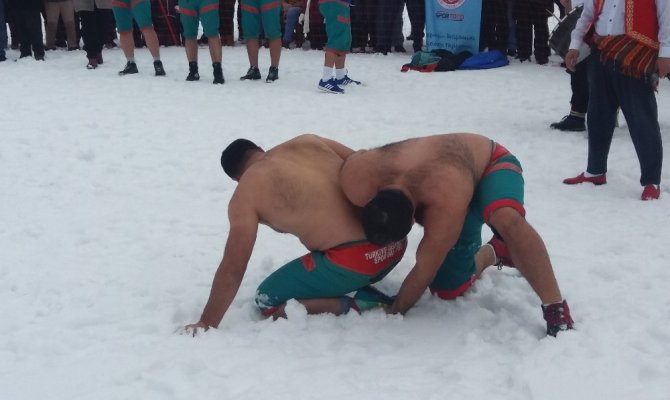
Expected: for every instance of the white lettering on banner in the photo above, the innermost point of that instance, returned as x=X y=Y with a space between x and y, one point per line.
x=453 y=25
x=384 y=253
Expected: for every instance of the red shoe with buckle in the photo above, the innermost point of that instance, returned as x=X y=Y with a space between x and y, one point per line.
x=558 y=317
x=501 y=253
x=651 y=192
x=596 y=180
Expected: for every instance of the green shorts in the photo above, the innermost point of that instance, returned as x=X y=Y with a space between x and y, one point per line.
x=126 y=10
x=331 y=273
x=338 y=24
x=204 y=11
x=257 y=14
x=501 y=186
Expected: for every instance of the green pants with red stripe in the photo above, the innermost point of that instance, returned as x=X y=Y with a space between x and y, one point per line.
x=332 y=273
x=261 y=14
x=125 y=10
x=501 y=186
x=191 y=12
x=338 y=24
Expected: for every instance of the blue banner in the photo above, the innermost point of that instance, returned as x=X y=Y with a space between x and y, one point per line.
x=453 y=25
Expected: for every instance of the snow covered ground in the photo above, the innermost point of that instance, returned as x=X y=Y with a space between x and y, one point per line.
x=113 y=221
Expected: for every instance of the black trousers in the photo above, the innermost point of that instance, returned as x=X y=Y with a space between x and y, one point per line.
x=28 y=22
x=531 y=17
x=494 y=26
x=608 y=90
x=387 y=13
x=579 y=83
x=363 y=23
x=416 y=10
x=93 y=28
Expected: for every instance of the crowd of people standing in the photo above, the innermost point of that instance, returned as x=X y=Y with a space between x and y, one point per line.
x=375 y=26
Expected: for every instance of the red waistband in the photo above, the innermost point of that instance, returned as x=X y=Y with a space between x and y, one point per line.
x=367 y=258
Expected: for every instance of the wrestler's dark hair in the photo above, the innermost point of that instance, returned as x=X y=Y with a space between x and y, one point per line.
x=234 y=155
x=388 y=217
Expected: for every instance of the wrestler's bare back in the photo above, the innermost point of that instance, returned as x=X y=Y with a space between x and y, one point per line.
x=466 y=153
x=428 y=167
x=294 y=188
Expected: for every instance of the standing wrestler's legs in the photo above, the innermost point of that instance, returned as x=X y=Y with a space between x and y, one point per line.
x=151 y=40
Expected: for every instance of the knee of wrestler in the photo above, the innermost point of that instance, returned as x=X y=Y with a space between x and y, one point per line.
x=264 y=302
x=506 y=221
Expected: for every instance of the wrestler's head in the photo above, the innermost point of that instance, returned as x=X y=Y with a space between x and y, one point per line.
x=235 y=155
x=388 y=217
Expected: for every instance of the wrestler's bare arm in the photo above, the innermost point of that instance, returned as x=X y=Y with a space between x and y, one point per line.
x=244 y=222
x=441 y=230
x=444 y=211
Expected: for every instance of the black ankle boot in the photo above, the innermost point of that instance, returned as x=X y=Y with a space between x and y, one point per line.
x=158 y=67
x=570 y=123
x=218 y=74
x=130 y=68
x=273 y=74
x=253 y=74
x=193 y=74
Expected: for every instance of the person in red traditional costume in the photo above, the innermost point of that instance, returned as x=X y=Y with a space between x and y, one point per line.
x=631 y=50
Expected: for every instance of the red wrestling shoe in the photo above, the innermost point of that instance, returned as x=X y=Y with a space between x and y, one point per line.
x=596 y=180
x=651 y=192
x=501 y=253
x=558 y=317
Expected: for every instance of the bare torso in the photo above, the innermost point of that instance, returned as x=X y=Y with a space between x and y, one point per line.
x=431 y=167
x=294 y=189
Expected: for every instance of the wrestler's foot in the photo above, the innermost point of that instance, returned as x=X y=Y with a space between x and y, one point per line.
x=558 y=317
x=218 y=74
x=345 y=81
x=330 y=86
x=130 y=68
x=273 y=75
x=501 y=253
x=581 y=178
x=368 y=297
x=158 y=68
x=193 y=74
x=253 y=74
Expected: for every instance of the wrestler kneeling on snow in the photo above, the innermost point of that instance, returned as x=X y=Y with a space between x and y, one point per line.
x=452 y=184
x=294 y=188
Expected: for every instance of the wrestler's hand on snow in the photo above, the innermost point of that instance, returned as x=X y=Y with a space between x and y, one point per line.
x=194 y=329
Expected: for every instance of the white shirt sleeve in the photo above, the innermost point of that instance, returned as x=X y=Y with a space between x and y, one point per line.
x=583 y=24
x=663 y=12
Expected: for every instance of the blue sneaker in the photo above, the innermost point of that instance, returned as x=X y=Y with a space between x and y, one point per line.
x=345 y=81
x=367 y=298
x=330 y=86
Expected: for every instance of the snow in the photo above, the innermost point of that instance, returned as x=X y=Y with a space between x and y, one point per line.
x=113 y=221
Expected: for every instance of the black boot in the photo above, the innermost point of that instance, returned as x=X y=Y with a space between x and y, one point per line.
x=570 y=123
x=218 y=74
x=193 y=74
x=130 y=68
x=158 y=67
x=273 y=74
x=252 y=74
